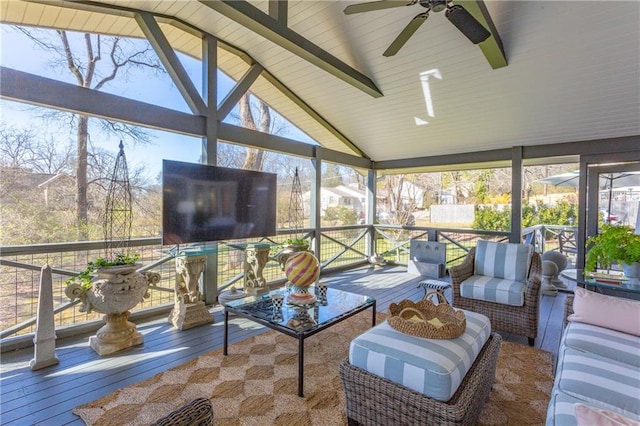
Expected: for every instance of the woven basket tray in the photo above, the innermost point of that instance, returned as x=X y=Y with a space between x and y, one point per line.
x=426 y=319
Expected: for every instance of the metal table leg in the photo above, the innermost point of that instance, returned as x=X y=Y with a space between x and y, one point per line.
x=373 y=315
x=226 y=332
x=300 y=366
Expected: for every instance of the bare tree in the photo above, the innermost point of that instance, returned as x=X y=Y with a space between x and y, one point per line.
x=254 y=159
x=15 y=146
x=401 y=199
x=89 y=70
x=21 y=148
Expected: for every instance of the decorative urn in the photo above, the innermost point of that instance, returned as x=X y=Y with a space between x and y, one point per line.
x=114 y=291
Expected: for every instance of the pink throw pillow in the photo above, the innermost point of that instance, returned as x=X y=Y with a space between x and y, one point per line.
x=610 y=312
x=590 y=416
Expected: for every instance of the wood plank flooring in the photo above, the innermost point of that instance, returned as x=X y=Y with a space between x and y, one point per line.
x=47 y=396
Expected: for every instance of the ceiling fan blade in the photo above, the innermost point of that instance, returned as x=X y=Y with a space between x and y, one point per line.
x=406 y=34
x=467 y=24
x=376 y=5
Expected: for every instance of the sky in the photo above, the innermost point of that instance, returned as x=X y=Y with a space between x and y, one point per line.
x=18 y=52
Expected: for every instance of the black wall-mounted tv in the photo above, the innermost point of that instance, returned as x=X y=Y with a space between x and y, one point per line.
x=208 y=203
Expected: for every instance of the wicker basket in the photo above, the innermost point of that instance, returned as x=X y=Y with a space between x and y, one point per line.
x=198 y=412
x=426 y=319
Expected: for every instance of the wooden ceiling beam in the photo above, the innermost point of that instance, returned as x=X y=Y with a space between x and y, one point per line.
x=278 y=9
x=41 y=91
x=492 y=47
x=239 y=90
x=171 y=63
x=313 y=113
x=273 y=30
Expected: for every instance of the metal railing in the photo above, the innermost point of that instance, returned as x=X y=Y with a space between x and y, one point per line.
x=340 y=248
x=552 y=237
x=394 y=241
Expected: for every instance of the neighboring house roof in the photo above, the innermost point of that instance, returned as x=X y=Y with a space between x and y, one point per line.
x=340 y=191
x=409 y=190
x=346 y=192
x=55 y=178
x=25 y=178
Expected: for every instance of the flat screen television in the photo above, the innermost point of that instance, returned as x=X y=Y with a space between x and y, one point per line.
x=208 y=203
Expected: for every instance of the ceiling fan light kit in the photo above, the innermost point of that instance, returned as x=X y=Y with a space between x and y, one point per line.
x=456 y=14
x=436 y=5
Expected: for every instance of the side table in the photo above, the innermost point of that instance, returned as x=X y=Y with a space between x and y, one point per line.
x=229 y=295
x=615 y=284
x=443 y=286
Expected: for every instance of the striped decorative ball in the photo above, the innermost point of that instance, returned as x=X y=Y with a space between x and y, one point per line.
x=302 y=269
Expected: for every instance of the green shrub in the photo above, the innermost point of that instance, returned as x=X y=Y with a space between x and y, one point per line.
x=492 y=218
x=340 y=215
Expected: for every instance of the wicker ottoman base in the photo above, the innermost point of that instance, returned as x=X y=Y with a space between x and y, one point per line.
x=373 y=400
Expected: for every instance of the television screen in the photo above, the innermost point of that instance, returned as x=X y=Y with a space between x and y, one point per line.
x=209 y=203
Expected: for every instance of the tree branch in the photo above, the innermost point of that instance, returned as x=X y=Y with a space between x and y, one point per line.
x=37 y=41
x=70 y=63
x=131 y=60
x=91 y=66
x=116 y=66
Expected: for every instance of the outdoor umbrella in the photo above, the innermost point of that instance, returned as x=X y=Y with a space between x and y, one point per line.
x=607 y=181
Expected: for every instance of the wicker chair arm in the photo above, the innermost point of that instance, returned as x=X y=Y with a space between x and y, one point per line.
x=463 y=271
x=534 y=280
x=568 y=309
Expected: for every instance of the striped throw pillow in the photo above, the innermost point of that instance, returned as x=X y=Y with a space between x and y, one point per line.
x=503 y=260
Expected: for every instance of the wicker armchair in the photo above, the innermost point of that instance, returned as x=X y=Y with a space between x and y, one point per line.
x=521 y=320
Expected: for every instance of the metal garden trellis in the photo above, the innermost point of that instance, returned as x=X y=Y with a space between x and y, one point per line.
x=117 y=215
x=296 y=207
x=118 y=288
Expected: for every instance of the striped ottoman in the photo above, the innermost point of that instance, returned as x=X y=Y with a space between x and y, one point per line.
x=394 y=378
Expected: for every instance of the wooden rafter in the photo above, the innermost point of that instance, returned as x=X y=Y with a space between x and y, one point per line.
x=261 y=23
x=491 y=47
x=277 y=11
x=172 y=64
x=239 y=90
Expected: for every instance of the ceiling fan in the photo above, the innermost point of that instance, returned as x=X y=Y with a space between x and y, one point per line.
x=456 y=14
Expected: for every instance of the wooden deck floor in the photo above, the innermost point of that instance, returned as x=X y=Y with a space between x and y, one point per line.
x=47 y=396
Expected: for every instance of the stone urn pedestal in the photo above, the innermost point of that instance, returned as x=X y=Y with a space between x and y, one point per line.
x=189 y=310
x=116 y=290
x=117 y=334
x=256 y=257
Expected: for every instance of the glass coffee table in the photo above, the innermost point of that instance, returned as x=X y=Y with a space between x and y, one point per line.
x=299 y=321
x=604 y=282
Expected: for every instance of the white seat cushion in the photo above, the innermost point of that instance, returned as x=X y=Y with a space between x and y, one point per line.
x=433 y=367
x=603 y=342
x=490 y=289
x=598 y=381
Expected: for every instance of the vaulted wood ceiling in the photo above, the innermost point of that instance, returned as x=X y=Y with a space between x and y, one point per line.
x=573 y=70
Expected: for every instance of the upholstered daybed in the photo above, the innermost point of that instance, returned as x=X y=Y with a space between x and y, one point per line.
x=598 y=369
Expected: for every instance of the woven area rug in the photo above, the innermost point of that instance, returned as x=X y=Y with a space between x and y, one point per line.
x=256 y=384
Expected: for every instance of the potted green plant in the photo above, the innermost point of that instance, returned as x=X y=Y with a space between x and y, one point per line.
x=112 y=287
x=290 y=246
x=615 y=244
x=84 y=278
x=298 y=243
